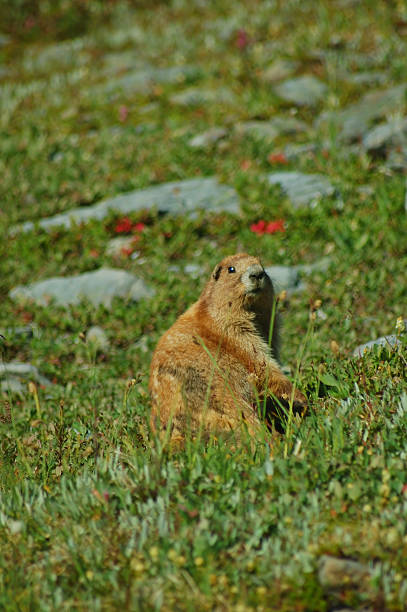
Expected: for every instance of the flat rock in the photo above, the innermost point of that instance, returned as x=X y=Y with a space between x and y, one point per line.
x=208 y=139
x=367 y=78
x=337 y=573
x=389 y=341
x=294 y=152
x=195 y=96
x=354 y=121
x=303 y=189
x=278 y=70
x=306 y=90
x=285 y=278
x=390 y=134
x=177 y=197
x=142 y=81
x=289 y=278
x=99 y=287
x=17 y=371
x=272 y=129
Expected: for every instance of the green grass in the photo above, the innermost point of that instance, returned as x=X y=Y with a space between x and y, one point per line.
x=94 y=513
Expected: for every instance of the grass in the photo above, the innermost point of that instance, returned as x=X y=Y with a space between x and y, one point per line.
x=95 y=514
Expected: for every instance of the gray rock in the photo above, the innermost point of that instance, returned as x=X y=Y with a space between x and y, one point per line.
x=397 y=159
x=272 y=129
x=193 y=270
x=334 y=573
x=300 y=151
x=99 y=287
x=285 y=278
x=390 y=134
x=367 y=78
x=11 y=384
x=354 y=121
x=115 y=246
x=177 y=197
x=389 y=341
x=25 y=371
x=289 y=278
x=208 y=138
x=288 y=125
x=306 y=90
x=26 y=332
x=278 y=70
x=195 y=96
x=303 y=189
x=143 y=81
x=260 y=130
x=96 y=337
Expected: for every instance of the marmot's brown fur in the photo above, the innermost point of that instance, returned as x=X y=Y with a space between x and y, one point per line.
x=211 y=368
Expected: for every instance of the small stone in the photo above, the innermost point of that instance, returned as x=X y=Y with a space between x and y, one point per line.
x=272 y=129
x=195 y=96
x=193 y=270
x=96 y=337
x=284 y=278
x=260 y=130
x=142 y=81
x=390 y=134
x=280 y=69
x=300 y=151
x=337 y=573
x=389 y=341
x=208 y=139
x=26 y=332
x=11 y=384
x=306 y=90
x=116 y=247
x=367 y=78
x=25 y=371
x=354 y=121
x=303 y=189
x=98 y=287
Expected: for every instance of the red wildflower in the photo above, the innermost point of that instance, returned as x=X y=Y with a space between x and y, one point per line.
x=242 y=39
x=277 y=158
x=138 y=227
x=245 y=164
x=262 y=227
x=124 y=226
x=123 y=112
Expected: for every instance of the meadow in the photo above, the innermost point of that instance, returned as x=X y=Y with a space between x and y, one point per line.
x=101 y=99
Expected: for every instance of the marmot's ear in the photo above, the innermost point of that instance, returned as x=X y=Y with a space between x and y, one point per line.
x=217 y=272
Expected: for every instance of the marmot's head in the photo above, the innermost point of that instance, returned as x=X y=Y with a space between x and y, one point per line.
x=238 y=284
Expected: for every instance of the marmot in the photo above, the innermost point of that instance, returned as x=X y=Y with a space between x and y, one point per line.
x=214 y=369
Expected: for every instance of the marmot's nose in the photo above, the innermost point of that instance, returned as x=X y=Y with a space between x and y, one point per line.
x=256 y=273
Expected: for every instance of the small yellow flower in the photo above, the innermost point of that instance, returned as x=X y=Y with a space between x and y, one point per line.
x=199 y=561
x=154 y=552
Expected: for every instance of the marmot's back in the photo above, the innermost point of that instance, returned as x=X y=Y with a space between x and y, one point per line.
x=212 y=366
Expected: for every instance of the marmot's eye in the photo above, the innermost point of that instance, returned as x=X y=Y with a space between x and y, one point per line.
x=231 y=269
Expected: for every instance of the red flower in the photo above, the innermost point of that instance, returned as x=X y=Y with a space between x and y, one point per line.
x=123 y=112
x=138 y=227
x=277 y=158
x=262 y=227
x=242 y=39
x=124 y=226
